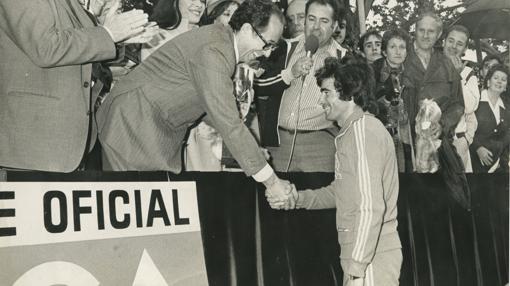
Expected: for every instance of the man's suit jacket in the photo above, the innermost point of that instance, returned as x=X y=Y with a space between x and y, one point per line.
x=440 y=82
x=46 y=50
x=143 y=122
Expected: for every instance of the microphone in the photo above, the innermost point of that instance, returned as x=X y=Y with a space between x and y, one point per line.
x=311 y=45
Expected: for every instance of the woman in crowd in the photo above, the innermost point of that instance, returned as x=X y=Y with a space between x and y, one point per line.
x=173 y=17
x=220 y=12
x=370 y=45
x=487 y=63
x=490 y=143
x=389 y=90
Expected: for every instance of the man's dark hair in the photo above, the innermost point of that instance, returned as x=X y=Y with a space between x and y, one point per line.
x=499 y=67
x=365 y=36
x=395 y=34
x=459 y=28
x=338 y=12
x=255 y=13
x=354 y=80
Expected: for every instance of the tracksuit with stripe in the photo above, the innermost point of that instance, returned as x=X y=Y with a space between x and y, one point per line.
x=365 y=192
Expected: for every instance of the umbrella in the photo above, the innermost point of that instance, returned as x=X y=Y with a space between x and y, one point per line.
x=487 y=19
x=453 y=172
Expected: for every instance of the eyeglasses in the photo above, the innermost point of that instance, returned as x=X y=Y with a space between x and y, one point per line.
x=267 y=45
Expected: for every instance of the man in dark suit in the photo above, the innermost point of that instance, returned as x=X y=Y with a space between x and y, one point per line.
x=143 y=122
x=46 y=107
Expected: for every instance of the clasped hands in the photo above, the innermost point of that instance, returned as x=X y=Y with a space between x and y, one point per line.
x=281 y=194
x=129 y=27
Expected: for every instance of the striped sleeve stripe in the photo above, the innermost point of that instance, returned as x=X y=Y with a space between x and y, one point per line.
x=269 y=78
x=365 y=190
x=268 y=83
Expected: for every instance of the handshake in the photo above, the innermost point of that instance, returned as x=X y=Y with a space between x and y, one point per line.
x=281 y=194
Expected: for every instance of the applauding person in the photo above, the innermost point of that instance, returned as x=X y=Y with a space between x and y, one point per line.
x=46 y=93
x=365 y=188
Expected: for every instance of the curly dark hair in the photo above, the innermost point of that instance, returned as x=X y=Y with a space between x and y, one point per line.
x=354 y=80
x=499 y=67
x=365 y=36
x=395 y=34
x=255 y=13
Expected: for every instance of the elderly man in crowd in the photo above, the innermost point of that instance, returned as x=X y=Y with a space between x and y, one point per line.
x=143 y=121
x=455 y=46
x=296 y=18
x=432 y=75
x=46 y=106
x=303 y=134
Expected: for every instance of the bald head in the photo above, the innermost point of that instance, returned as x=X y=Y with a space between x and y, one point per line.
x=296 y=17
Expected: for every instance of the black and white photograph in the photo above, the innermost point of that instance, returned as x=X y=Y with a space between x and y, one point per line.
x=254 y=142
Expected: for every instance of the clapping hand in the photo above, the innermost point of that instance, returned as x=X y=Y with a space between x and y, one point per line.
x=151 y=29
x=123 y=26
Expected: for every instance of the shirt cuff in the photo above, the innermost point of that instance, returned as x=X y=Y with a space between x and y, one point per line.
x=287 y=75
x=109 y=32
x=264 y=174
x=303 y=199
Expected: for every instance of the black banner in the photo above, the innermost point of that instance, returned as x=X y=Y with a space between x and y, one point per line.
x=247 y=243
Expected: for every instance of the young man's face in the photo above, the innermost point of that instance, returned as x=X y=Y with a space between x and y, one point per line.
x=320 y=23
x=455 y=43
x=330 y=101
x=372 y=48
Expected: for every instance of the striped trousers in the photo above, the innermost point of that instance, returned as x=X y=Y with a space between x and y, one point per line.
x=384 y=269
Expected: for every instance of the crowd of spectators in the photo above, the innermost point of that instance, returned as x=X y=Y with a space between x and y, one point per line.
x=289 y=121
